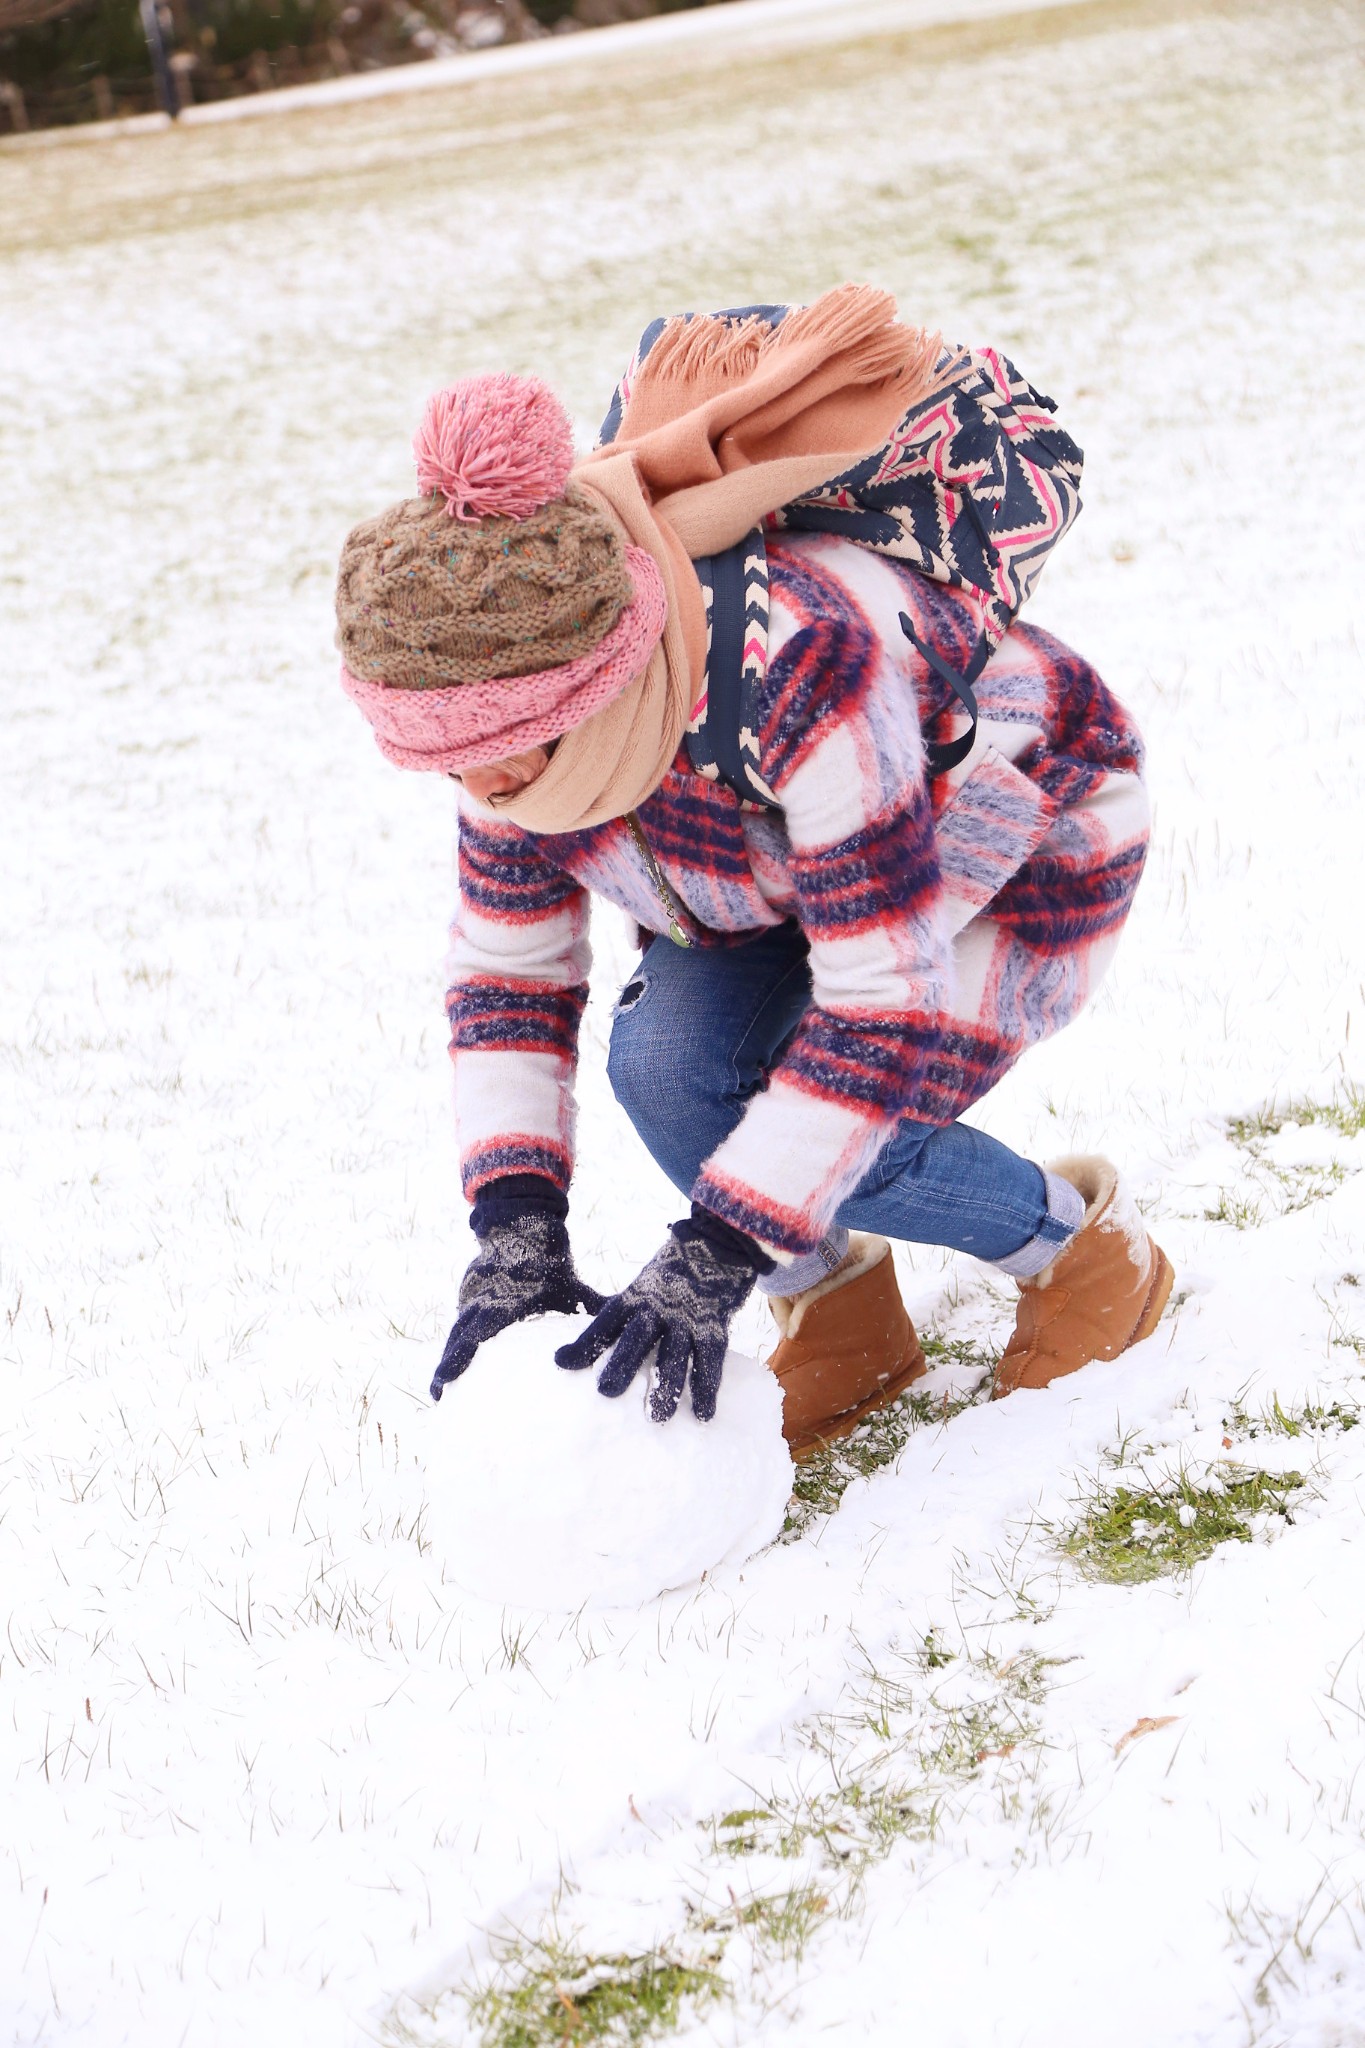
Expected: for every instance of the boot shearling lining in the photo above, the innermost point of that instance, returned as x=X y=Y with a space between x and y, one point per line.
x=1093 y=1178
x=864 y=1252
x=1096 y=1182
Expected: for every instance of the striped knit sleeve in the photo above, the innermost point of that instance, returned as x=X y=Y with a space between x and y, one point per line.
x=864 y=868
x=518 y=975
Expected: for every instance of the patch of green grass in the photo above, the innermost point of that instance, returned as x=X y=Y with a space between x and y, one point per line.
x=1310 y=1418
x=963 y=1736
x=1022 y=1678
x=1283 y=1190
x=1287 y=1189
x=782 y=1921
x=549 y=1996
x=1305 y=1185
x=1243 y=1212
x=740 y=1833
x=866 y=1818
x=1345 y=1114
x=1127 y=1534
x=896 y=1759
x=926 y=1749
x=823 y=1478
x=968 y=1736
x=964 y=1352
x=847 y=1829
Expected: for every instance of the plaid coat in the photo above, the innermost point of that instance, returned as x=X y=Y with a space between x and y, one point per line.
x=951 y=924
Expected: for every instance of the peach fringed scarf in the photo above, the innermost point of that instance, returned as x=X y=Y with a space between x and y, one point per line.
x=725 y=423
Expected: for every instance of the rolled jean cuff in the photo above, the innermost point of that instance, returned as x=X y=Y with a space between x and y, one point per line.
x=809 y=1269
x=1065 y=1215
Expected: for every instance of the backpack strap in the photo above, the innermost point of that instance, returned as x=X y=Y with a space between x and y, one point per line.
x=722 y=738
x=946 y=754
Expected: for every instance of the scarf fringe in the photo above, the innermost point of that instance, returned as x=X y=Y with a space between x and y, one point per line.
x=690 y=348
x=856 y=322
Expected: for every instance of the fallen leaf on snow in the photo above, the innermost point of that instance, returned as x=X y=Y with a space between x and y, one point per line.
x=1144 y=1726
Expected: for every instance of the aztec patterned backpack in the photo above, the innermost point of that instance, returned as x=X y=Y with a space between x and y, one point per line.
x=974 y=488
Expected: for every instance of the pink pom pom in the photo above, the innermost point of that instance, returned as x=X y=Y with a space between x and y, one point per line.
x=494 y=445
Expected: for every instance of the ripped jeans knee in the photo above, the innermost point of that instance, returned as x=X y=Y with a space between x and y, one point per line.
x=693 y=1034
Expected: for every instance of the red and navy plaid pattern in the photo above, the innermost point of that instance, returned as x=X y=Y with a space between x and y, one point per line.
x=951 y=924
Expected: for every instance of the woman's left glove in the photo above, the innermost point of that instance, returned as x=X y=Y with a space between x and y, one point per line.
x=523 y=1268
x=683 y=1303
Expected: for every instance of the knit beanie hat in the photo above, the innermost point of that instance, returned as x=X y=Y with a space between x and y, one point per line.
x=502 y=606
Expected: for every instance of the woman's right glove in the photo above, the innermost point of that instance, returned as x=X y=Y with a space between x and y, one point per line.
x=678 y=1310
x=523 y=1268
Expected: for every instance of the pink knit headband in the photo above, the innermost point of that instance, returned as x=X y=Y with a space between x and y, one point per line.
x=474 y=723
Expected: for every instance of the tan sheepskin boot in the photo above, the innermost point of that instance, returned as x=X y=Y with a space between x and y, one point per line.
x=847 y=1348
x=1104 y=1290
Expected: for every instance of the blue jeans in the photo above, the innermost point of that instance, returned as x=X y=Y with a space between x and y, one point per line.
x=697 y=1031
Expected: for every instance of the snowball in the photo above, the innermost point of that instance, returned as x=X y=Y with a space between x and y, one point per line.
x=542 y=1493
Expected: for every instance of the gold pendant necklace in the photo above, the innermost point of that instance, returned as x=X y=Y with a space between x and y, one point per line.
x=671 y=907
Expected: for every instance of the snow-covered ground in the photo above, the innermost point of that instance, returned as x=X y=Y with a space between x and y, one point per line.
x=269 y=1777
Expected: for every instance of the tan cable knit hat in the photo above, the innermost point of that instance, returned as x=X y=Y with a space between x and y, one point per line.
x=424 y=602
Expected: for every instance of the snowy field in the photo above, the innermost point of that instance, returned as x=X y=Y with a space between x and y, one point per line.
x=1000 y=1747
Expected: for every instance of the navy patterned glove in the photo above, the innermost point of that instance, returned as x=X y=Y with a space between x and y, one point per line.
x=683 y=1303
x=523 y=1268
